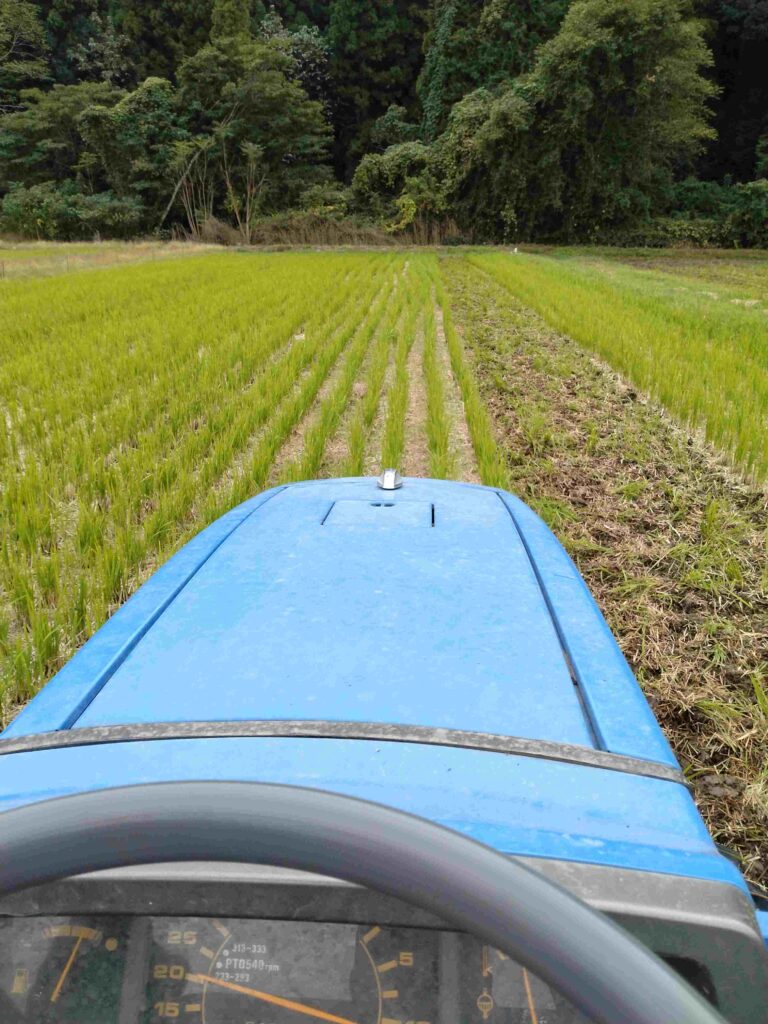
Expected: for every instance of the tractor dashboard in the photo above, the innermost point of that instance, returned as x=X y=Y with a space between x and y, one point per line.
x=231 y=944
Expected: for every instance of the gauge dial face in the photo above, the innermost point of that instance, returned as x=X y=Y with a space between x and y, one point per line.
x=289 y=972
x=496 y=990
x=62 y=971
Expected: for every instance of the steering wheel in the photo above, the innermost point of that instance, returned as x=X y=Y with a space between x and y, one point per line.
x=603 y=971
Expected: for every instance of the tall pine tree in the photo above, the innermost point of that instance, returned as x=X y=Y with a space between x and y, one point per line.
x=230 y=19
x=23 y=50
x=376 y=52
x=296 y=13
x=471 y=44
x=739 y=40
x=164 y=32
x=264 y=141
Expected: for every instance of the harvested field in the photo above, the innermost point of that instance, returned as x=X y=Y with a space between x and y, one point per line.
x=139 y=402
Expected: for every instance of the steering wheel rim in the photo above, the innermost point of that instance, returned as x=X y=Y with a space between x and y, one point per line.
x=601 y=969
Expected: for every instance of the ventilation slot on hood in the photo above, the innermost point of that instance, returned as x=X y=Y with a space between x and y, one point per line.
x=381 y=513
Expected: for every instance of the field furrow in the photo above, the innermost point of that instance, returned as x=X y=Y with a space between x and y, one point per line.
x=345 y=451
x=415 y=459
x=459 y=439
x=368 y=450
x=393 y=438
x=441 y=462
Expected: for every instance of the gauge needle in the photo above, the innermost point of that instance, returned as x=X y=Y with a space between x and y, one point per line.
x=65 y=972
x=529 y=996
x=289 y=1004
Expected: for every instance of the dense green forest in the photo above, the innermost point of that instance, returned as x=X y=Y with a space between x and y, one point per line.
x=436 y=120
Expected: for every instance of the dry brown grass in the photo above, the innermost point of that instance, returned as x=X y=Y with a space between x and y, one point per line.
x=47 y=259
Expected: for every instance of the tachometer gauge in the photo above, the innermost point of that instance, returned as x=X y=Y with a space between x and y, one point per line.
x=290 y=972
x=62 y=971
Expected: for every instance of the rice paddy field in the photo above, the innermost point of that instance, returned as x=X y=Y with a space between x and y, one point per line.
x=624 y=394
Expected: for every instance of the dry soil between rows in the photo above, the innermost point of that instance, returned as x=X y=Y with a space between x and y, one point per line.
x=416 y=452
x=465 y=460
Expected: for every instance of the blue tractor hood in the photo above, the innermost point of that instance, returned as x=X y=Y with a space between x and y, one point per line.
x=441 y=607
x=342 y=602
x=434 y=605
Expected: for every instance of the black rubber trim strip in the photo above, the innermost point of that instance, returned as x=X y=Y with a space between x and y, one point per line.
x=492 y=742
x=578 y=688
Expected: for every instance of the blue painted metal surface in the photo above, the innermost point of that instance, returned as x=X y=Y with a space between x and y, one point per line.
x=441 y=604
x=363 y=614
x=762 y=921
x=518 y=805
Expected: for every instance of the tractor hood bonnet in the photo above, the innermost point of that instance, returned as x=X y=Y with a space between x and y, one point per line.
x=331 y=604
x=439 y=605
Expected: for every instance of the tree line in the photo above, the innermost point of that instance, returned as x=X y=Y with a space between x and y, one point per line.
x=464 y=120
